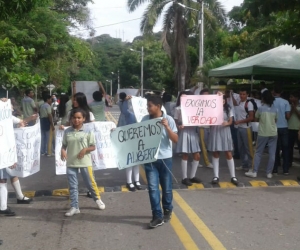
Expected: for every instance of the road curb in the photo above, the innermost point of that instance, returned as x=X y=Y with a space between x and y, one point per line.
x=221 y=185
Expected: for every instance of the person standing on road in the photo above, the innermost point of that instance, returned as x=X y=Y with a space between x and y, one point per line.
x=293 y=124
x=127 y=118
x=283 y=108
x=76 y=148
x=160 y=171
x=266 y=115
x=28 y=106
x=188 y=143
x=203 y=136
x=244 y=111
x=220 y=140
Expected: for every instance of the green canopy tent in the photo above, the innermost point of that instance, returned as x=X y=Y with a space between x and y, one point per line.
x=281 y=63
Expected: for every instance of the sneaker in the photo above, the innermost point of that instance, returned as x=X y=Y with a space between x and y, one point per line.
x=49 y=155
x=25 y=200
x=7 y=212
x=186 y=182
x=130 y=187
x=251 y=174
x=210 y=166
x=269 y=176
x=72 y=211
x=200 y=166
x=100 y=204
x=287 y=173
x=156 y=222
x=167 y=215
x=195 y=180
x=239 y=168
x=43 y=154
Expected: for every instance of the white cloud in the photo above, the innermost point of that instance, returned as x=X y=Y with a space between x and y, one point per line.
x=105 y=12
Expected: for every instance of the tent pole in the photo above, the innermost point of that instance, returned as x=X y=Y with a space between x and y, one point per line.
x=252 y=82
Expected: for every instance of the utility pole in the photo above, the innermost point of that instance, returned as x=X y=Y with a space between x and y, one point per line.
x=142 y=72
x=201 y=34
x=118 y=81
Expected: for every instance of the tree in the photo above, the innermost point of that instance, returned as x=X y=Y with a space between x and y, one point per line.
x=176 y=24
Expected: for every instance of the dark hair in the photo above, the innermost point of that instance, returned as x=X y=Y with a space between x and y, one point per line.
x=179 y=96
x=44 y=93
x=244 y=90
x=122 y=96
x=97 y=96
x=166 y=97
x=82 y=103
x=267 y=98
x=263 y=84
x=27 y=92
x=155 y=99
x=295 y=94
x=226 y=106
x=46 y=97
x=277 y=88
x=204 y=90
x=62 y=105
x=78 y=110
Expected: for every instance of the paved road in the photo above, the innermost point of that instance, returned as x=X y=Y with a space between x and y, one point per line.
x=239 y=218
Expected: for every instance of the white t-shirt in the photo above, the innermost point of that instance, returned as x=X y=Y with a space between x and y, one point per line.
x=241 y=113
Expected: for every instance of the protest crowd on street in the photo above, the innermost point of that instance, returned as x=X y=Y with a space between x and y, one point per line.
x=74 y=130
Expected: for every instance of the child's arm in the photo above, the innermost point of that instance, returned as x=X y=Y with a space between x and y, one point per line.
x=172 y=135
x=63 y=152
x=91 y=142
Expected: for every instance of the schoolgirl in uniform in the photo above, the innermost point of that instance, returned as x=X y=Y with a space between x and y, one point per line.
x=188 y=143
x=220 y=140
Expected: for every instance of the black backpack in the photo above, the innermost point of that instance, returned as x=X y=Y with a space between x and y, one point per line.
x=254 y=107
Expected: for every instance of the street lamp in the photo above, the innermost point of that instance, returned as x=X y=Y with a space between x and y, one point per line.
x=50 y=87
x=142 y=69
x=110 y=86
x=118 y=80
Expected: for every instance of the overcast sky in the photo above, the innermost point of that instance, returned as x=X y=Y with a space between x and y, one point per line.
x=105 y=12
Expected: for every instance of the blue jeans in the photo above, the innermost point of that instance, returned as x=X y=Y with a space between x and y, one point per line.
x=282 y=144
x=44 y=141
x=235 y=140
x=159 y=172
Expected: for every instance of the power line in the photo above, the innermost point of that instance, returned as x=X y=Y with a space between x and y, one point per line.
x=114 y=24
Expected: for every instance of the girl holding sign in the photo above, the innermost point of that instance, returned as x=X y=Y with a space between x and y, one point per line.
x=188 y=143
x=76 y=148
x=126 y=118
x=220 y=140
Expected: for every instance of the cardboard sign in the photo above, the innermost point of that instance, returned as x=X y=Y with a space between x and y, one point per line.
x=28 y=144
x=103 y=156
x=8 y=153
x=137 y=143
x=201 y=110
x=139 y=107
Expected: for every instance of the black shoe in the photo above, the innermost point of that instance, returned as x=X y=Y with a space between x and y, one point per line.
x=298 y=178
x=137 y=185
x=89 y=194
x=24 y=201
x=186 y=182
x=7 y=212
x=156 y=222
x=130 y=187
x=195 y=180
x=215 y=180
x=234 y=181
x=167 y=215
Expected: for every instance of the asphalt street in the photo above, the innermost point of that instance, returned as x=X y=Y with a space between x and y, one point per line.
x=259 y=214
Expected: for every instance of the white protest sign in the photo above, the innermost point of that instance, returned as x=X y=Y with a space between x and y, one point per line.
x=103 y=156
x=139 y=107
x=132 y=92
x=199 y=110
x=137 y=143
x=86 y=87
x=8 y=153
x=28 y=144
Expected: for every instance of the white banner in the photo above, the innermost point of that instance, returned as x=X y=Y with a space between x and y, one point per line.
x=132 y=92
x=139 y=107
x=8 y=154
x=28 y=144
x=86 y=87
x=137 y=143
x=103 y=157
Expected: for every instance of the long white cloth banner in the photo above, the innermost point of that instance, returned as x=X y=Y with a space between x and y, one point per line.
x=8 y=153
x=103 y=157
x=139 y=107
x=28 y=144
x=137 y=143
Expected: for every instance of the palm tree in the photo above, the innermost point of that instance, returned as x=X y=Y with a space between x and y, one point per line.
x=178 y=24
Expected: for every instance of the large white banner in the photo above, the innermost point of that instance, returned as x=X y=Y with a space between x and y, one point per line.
x=103 y=157
x=8 y=154
x=137 y=143
x=86 y=87
x=28 y=144
x=139 y=107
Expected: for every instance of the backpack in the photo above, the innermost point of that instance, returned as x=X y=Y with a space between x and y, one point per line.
x=254 y=107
